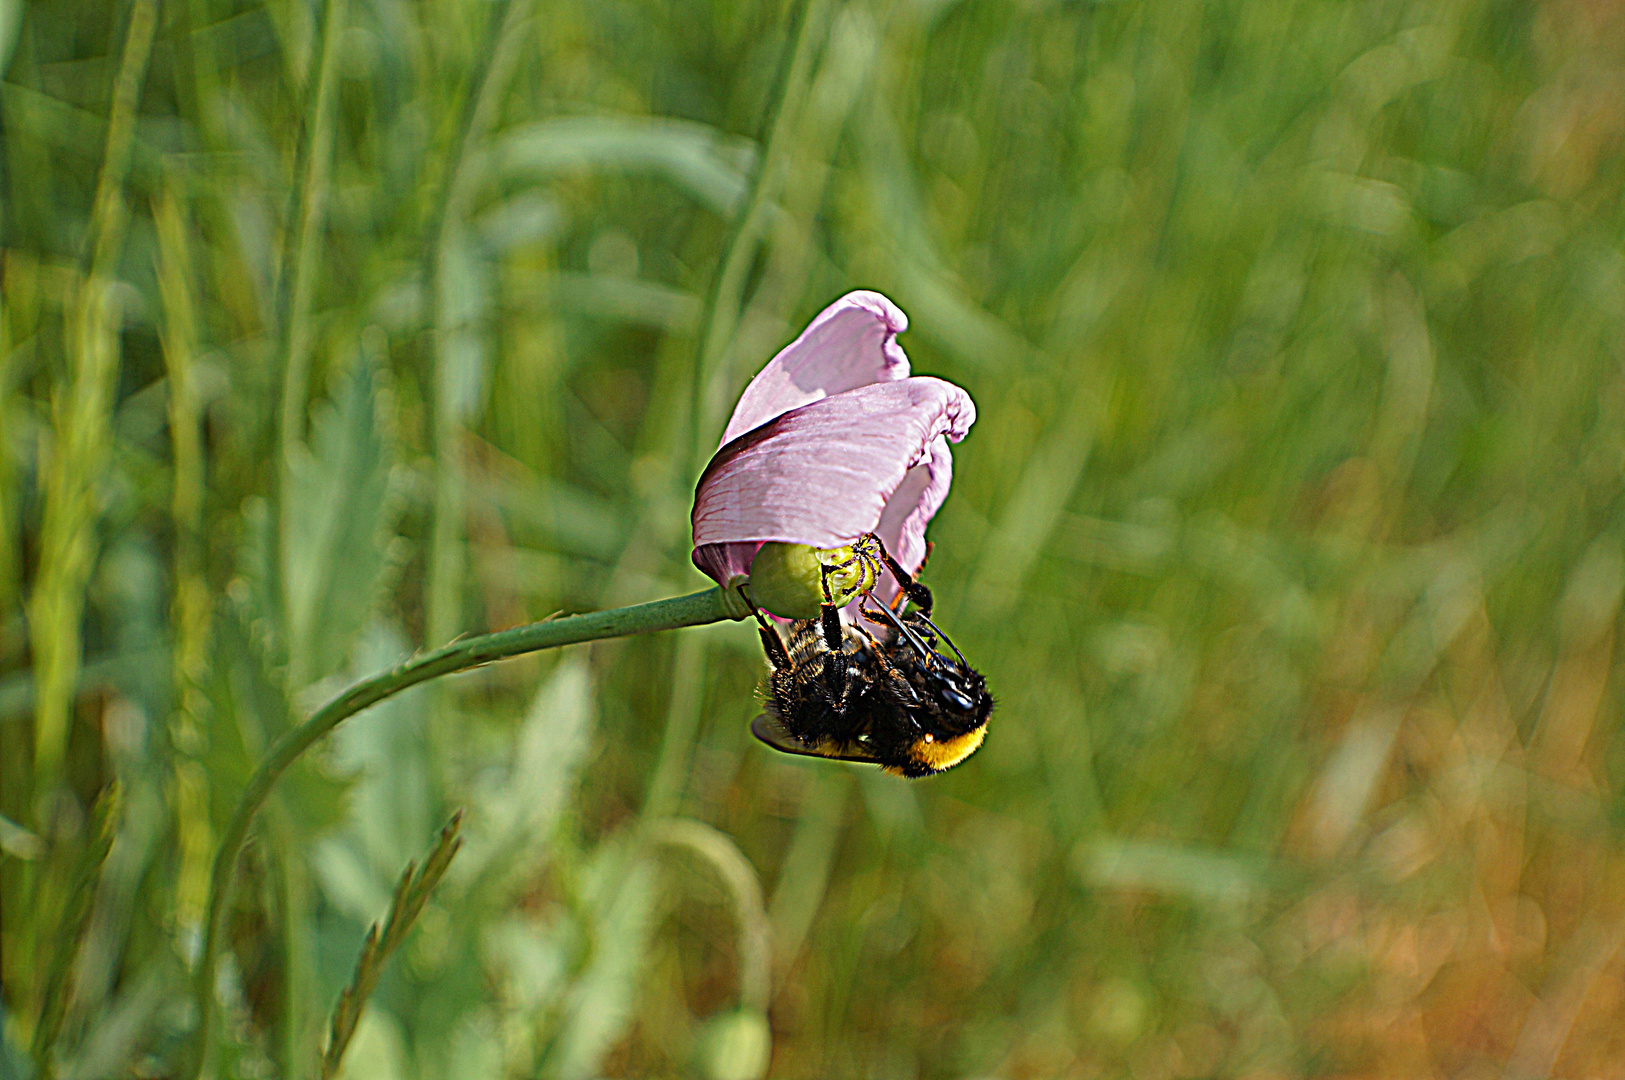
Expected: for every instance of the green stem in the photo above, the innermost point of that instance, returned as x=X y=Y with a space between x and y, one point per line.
x=304 y=262
x=696 y=609
x=81 y=415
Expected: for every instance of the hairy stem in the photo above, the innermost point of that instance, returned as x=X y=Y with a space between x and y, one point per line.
x=696 y=609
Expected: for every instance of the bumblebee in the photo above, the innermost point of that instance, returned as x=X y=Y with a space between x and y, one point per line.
x=837 y=691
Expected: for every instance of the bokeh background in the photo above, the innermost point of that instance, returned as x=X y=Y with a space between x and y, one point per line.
x=1289 y=536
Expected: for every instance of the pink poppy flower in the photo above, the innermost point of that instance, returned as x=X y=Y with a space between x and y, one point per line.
x=832 y=439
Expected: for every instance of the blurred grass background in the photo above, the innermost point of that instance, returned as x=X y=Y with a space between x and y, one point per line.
x=1289 y=536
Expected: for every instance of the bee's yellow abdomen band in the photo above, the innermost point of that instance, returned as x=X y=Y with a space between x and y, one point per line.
x=947 y=753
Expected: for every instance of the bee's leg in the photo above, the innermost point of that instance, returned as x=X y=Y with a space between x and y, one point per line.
x=829 y=613
x=901 y=688
x=829 y=619
x=834 y=657
x=918 y=594
x=883 y=614
x=772 y=644
x=835 y=679
x=901 y=597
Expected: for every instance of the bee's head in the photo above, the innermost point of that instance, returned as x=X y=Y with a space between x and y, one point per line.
x=960 y=695
x=955 y=723
x=948 y=699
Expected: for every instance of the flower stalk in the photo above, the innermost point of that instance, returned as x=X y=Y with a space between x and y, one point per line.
x=696 y=609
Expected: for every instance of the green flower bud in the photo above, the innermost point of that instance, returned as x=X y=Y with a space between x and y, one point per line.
x=788 y=579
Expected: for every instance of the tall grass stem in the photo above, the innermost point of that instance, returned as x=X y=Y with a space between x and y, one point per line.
x=191 y=603
x=82 y=415
x=304 y=260
x=498 y=60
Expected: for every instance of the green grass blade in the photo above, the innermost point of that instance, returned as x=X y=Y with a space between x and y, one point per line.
x=82 y=414
x=70 y=927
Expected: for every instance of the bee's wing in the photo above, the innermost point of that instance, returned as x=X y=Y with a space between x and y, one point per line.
x=772 y=732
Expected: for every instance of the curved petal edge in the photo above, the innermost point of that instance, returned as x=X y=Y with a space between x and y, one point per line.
x=851 y=343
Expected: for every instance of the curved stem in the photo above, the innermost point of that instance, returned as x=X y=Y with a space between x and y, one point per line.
x=696 y=609
x=750 y=913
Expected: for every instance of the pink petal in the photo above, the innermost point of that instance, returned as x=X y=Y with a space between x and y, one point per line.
x=910 y=509
x=825 y=473
x=851 y=343
x=724 y=562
